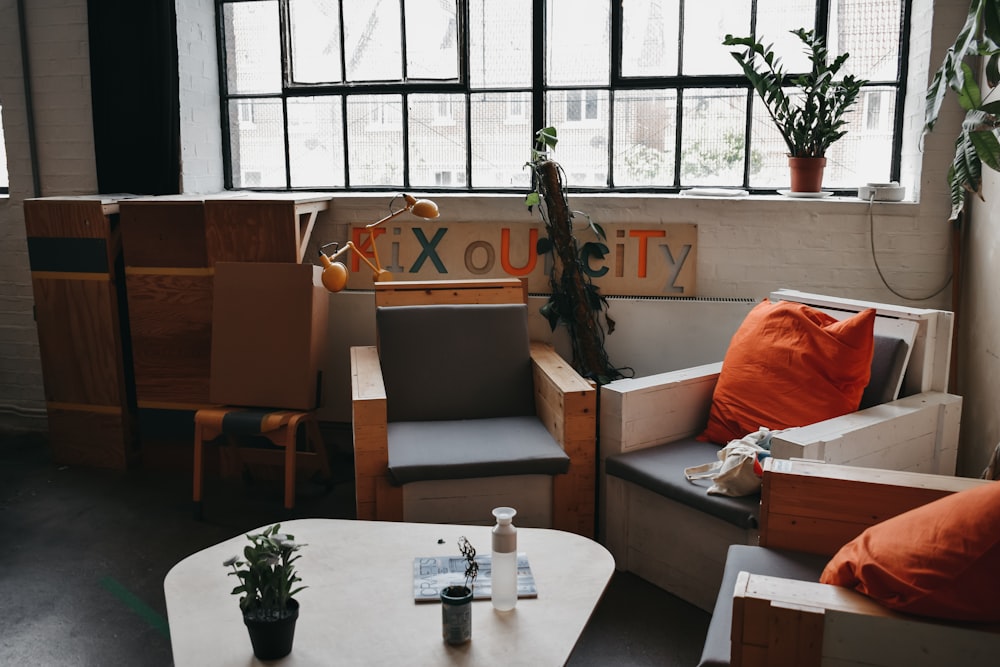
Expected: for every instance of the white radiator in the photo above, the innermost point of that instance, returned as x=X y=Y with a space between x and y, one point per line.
x=652 y=335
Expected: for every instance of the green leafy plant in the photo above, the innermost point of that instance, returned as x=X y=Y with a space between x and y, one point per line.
x=978 y=141
x=266 y=573
x=574 y=300
x=813 y=118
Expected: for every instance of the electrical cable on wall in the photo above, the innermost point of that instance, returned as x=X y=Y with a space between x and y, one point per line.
x=871 y=239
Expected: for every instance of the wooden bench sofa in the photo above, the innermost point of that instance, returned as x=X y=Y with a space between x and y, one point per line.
x=671 y=533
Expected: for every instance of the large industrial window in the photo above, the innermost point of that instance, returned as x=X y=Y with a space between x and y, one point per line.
x=447 y=94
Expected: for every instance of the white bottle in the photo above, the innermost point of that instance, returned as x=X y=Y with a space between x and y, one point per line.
x=503 y=576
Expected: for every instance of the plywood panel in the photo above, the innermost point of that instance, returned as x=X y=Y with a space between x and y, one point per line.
x=171 y=323
x=79 y=341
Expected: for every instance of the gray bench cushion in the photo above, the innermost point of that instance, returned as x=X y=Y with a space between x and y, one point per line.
x=756 y=560
x=455 y=361
x=887 y=369
x=426 y=450
x=661 y=470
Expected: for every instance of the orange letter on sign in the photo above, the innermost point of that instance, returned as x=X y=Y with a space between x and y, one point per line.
x=505 y=253
x=364 y=246
x=644 y=235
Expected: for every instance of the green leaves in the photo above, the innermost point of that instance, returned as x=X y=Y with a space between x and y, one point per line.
x=811 y=118
x=977 y=143
x=267 y=574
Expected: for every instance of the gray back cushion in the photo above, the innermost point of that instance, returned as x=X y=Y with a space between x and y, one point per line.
x=455 y=361
x=887 y=369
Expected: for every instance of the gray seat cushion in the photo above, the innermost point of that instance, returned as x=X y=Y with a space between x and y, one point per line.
x=459 y=449
x=756 y=560
x=661 y=470
x=455 y=361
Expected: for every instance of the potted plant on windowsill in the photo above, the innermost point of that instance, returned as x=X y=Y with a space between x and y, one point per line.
x=267 y=576
x=811 y=116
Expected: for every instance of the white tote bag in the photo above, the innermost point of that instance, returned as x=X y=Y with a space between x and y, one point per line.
x=738 y=471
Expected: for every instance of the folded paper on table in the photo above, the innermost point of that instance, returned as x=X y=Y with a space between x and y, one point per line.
x=431 y=574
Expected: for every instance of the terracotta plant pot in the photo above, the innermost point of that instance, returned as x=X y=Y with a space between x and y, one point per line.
x=272 y=637
x=456 y=614
x=806 y=173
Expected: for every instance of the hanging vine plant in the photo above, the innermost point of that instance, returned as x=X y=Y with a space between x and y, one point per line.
x=575 y=302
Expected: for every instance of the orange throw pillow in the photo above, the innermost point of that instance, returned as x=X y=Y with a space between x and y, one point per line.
x=940 y=560
x=790 y=365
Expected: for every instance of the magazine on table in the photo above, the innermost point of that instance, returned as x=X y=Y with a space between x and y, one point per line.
x=431 y=574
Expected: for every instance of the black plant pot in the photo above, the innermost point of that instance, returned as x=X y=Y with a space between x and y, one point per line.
x=272 y=637
x=456 y=614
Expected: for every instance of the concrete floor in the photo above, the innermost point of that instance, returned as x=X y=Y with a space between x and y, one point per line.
x=85 y=552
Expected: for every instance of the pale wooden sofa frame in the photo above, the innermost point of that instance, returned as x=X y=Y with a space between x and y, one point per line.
x=564 y=401
x=816 y=508
x=681 y=549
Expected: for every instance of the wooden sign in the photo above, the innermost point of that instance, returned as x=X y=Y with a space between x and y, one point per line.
x=638 y=259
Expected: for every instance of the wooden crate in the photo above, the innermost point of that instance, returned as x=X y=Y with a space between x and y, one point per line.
x=169 y=284
x=261 y=227
x=74 y=250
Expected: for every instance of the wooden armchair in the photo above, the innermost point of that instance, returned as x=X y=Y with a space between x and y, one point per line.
x=772 y=611
x=392 y=484
x=648 y=426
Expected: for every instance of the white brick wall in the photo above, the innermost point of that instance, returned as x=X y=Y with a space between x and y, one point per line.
x=746 y=248
x=201 y=130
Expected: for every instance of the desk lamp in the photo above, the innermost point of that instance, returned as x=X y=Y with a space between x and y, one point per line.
x=335 y=273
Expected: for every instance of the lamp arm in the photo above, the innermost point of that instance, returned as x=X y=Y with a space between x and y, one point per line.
x=350 y=246
x=376 y=224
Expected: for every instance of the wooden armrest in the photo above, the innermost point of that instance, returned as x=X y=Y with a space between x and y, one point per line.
x=369 y=421
x=918 y=432
x=637 y=413
x=818 y=507
x=567 y=405
x=563 y=399
x=781 y=621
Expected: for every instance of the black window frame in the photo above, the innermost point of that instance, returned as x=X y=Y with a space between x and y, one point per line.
x=538 y=92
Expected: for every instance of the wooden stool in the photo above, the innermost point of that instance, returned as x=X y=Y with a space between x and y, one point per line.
x=278 y=426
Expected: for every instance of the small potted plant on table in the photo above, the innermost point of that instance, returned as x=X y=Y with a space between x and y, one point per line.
x=267 y=576
x=456 y=600
x=809 y=119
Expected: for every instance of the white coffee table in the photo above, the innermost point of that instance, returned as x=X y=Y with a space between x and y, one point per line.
x=358 y=608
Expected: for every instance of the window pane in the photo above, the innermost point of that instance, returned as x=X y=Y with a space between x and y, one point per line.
x=869 y=31
x=713 y=137
x=257 y=144
x=651 y=38
x=864 y=154
x=315 y=142
x=375 y=138
x=437 y=139
x=315 y=28
x=581 y=116
x=501 y=143
x=705 y=26
x=372 y=41
x=579 y=42
x=431 y=40
x=644 y=137
x=768 y=152
x=500 y=27
x=775 y=21
x=253 y=50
